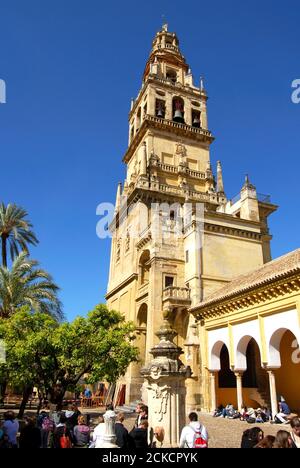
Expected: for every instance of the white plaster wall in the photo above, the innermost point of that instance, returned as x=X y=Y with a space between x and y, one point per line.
x=216 y=336
x=242 y=333
x=283 y=321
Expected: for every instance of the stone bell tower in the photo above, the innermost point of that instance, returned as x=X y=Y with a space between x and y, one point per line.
x=155 y=266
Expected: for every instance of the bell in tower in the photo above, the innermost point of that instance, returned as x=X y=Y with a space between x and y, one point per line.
x=178 y=110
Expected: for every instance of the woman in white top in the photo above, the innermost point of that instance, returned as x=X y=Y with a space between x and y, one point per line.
x=98 y=433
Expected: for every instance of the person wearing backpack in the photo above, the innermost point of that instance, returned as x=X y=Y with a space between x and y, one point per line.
x=194 y=435
x=62 y=435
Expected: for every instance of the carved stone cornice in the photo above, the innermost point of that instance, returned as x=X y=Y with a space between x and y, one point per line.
x=144 y=240
x=232 y=231
x=120 y=286
x=181 y=130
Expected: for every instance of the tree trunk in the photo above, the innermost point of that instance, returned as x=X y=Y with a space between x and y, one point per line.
x=41 y=398
x=4 y=251
x=56 y=395
x=3 y=387
x=26 y=394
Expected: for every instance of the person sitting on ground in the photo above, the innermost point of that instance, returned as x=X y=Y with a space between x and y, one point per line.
x=266 y=414
x=295 y=433
x=266 y=443
x=251 y=438
x=283 y=440
x=251 y=419
x=229 y=412
x=219 y=411
x=30 y=437
x=11 y=428
x=121 y=432
x=284 y=412
x=139 y=436
x=259 y=417
x=244 y=413
x=81 y=432
x=194 y=435
x=99 y=432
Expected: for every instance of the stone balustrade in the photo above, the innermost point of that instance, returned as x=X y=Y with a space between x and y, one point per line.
x=176 y=292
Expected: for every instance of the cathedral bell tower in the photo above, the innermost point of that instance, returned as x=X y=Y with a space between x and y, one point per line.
x=168 y=165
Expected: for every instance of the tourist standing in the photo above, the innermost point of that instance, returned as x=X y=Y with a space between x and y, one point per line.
x=30 y=437
x=81 y=433
x=62 y=435
x=139 y=436
x=121 y=432
x=11 y=428
x=251 y=438
x=283 y=440
x=99 y=433
x=142 y=412
x=194 y=435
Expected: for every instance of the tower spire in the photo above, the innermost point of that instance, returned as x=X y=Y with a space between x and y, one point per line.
x=220 y=183
x=118 y=197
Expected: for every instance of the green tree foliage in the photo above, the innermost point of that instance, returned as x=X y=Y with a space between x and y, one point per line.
x=27 y=284
x=15 y=231
x=41 y=352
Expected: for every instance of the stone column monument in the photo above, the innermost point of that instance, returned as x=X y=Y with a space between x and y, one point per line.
x=109 y=436
x=165 y=378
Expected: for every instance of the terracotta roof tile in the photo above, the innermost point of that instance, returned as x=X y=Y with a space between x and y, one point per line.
x=272 y=271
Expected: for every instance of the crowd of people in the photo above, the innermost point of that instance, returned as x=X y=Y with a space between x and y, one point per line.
x=256 y=416
x=71 y=429
x=255 y=437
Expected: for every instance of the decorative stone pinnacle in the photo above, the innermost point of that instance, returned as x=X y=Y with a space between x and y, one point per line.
x=201 y=83
x=248 y=184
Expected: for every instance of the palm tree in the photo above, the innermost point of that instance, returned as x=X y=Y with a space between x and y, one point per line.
x=27 y=284
x=15 y=231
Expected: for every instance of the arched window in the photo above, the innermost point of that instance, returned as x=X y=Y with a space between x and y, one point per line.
x=138 y=120
x=196 y=118
x=171 y=75
x=144 y=267
x=160 y=108
x=178 y=110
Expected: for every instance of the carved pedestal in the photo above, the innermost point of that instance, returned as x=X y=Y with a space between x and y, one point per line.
x=165 y=378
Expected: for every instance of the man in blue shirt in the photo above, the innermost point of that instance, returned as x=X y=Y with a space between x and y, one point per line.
x=87 y=393
x=284 y=411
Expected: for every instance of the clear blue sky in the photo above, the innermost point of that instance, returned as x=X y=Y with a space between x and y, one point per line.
x=71 y=68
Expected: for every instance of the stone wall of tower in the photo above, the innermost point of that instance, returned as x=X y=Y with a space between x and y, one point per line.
x=169 y=163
